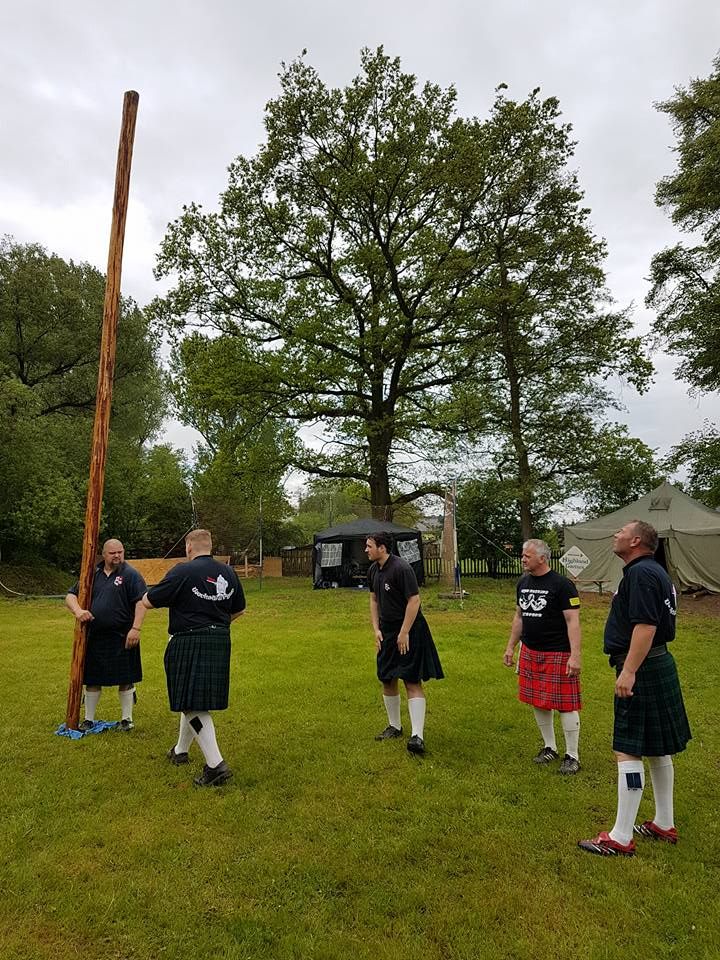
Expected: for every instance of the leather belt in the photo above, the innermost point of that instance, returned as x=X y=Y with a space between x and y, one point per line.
x=618 y=659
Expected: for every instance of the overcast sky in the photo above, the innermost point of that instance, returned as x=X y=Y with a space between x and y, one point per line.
x=204 y=72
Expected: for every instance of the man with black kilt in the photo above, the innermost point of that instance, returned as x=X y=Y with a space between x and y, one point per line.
x=116 y=613
x=650 y=718
x=547 y=621
x=203 y=596
x=404 y=645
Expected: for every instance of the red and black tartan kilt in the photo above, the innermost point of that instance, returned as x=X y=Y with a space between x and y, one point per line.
x=544 y=682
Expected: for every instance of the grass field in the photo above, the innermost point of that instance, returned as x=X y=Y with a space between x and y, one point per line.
x=327 y=844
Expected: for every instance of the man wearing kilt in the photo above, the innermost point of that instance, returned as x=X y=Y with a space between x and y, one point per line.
x=116 y=613
x=203 y=597
x=403 y=642
x=650 y=718
x=547 y=621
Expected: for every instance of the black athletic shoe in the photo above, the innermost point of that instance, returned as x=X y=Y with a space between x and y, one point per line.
x=213 y=776
x=389 y=733
x=126 y=725
x=177 y=758
x=569 y=765
x=86 y=725
x=546 y=755
x=416 y=744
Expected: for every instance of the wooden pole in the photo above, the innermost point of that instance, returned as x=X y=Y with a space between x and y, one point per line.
x=101 y=426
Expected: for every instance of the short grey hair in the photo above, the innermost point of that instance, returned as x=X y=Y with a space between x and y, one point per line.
x=540 y=548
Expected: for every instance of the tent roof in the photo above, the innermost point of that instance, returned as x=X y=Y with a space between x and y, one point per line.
x=362 y=528
x=665 y=507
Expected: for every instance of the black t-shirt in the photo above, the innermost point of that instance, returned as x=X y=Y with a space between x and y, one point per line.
x=393 y=584
x=200 y=593
x=114 y=596
x=645 y=595
x=542 y=601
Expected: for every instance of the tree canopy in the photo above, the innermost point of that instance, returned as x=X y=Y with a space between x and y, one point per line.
x=393 y=276
x=685 y=288
x=50 y=325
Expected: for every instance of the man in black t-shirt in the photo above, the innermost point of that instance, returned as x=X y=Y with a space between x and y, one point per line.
x=547 y=621
x=114 y=620
x=403 y=642
x=650 y=718
x=204 y=596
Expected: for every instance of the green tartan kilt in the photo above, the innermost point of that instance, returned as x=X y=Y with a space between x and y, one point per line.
x=652 y=722
x=197 y=667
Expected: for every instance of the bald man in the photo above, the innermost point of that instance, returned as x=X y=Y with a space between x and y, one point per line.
x=114 y=621
x=203 y=597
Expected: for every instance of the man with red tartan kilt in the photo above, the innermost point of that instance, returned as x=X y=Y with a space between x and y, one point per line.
x=650 y=718
x=547 y=621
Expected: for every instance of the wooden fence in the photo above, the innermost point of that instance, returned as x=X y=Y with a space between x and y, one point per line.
x=298 y=563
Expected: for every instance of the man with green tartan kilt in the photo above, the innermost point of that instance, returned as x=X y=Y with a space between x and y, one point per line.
x=203 y=597
x=650 y=718
x=403 y=642
x=114 y=620
x=547 y=621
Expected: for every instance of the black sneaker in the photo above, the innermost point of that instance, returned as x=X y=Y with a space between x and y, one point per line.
x=177 y=758
x=546 y=755
x=390 y=733
x=86 y=725
x=213 y=776
x=126 y=725
x=416 y=744
x=569 y=765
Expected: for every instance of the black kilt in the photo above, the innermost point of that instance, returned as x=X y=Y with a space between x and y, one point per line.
x=652 y=722
x=108 y=663
x=420 y=663
x=197 y=667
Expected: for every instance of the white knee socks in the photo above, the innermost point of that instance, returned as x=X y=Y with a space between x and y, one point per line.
x=204 y=729
x=91 y=702
x=416 y=706
x=631 y=780
x=392 y=706
x=662 y=775
x=126 y=703
x=185 y=736
x=571 y=730
x=544 y=720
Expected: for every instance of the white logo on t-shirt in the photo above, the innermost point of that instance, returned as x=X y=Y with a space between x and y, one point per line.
x=221 y=588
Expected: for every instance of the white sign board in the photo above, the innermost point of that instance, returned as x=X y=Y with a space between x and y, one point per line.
x=574 y=561
x=330 y=554
x=409 y=550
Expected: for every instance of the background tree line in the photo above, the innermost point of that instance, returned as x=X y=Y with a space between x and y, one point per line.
x=389 y=294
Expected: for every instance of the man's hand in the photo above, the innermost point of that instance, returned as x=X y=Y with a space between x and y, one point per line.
x=82 y=616
x=573 y=666
x=625 y=683
x=509 y=657
x=378 y=640
x=132 y=639
x=403 y=641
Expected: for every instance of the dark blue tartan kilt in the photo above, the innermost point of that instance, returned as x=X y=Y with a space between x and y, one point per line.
x=107 y=662
x=420 y=663
x=197 y=667
x=652 y=722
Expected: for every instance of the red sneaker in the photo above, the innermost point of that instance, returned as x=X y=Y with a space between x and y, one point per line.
x=652 y=830
x=604 y=845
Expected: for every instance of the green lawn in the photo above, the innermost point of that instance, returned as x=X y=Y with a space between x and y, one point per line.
x=327 y=844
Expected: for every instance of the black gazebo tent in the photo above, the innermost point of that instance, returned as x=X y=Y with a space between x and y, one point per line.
x=339 y=552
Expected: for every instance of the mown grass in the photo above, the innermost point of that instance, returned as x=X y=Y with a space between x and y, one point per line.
x=329 y=845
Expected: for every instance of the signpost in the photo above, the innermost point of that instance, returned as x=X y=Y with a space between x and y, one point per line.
x=574 y=561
